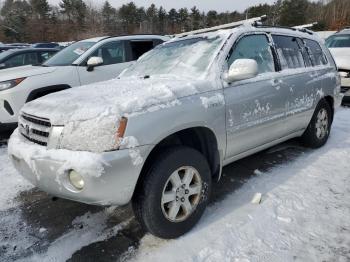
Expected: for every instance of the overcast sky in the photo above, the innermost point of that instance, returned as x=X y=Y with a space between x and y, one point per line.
x=203 y=5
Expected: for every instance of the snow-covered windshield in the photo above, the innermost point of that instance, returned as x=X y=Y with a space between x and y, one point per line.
x=337 y=41
x=190 y=57
x=68 y=55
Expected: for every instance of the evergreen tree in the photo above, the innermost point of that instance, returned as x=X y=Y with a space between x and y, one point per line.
x=15 y=15
x=173 y=17
x=195 y=18
x=109 y=18
x=152 y=18
x=184 y=19
x=294 y=12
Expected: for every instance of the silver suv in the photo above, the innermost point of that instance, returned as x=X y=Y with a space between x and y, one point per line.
x=161 y=133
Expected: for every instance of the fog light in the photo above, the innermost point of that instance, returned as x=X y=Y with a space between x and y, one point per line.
x=76 y=180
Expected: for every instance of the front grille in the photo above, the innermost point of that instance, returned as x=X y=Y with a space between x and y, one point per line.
x=35 y=129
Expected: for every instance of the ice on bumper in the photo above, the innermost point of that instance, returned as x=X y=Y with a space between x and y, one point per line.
x=86 y=163
x=108 y=178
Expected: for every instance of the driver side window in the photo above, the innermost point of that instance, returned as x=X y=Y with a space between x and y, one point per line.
x=111 y=53
x=254 y=47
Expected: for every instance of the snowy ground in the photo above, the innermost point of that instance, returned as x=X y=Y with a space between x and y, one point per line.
x=304 y=214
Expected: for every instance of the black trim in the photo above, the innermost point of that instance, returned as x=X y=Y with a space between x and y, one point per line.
x=8 y=108
x=6 y=129
x=45 y=91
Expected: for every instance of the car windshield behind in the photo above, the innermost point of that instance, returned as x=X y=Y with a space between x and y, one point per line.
x=337 y=41
x=190 y=57
x=68 y=55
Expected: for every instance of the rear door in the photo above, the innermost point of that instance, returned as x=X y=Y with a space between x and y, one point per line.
x=255 y=108
x=297 y=78
x=114 y=62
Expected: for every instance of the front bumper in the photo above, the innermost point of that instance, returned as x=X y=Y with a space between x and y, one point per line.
x=114 y=186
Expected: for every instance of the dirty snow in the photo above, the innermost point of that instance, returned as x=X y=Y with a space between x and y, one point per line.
x=303 y=216
x=10 y=182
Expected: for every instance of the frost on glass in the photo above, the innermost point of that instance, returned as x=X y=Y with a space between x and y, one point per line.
x=189 y=58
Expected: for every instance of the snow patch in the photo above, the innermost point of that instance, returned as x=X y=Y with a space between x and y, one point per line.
x=85 y=163
x=131 y=144
x=217 y=99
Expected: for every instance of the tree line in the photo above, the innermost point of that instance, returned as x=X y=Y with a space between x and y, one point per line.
x=38 y=21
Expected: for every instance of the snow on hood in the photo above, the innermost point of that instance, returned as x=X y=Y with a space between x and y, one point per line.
x=341 y=57
x=24 y=71
x=117 y=98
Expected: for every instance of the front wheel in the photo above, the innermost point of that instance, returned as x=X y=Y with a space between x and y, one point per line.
x=174 y=193
x=317 y=133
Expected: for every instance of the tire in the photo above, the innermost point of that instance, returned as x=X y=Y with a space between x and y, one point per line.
x=317 y=133
x=157 y=217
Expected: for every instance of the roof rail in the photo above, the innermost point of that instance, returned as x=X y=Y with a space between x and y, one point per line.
x=304 y=30
x=306 y=26
x=251 y=21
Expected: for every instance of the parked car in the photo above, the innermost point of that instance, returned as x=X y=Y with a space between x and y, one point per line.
x=161 y=133
x=339 y=45
x=46 y=45
x=25 y=56
x=4 y=48
x=81 y=63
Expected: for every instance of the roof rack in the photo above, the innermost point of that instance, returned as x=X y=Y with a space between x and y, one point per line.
x=304 y=30
x=252 y=21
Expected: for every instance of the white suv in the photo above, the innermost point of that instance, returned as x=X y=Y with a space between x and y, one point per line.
x=84 y=62
x=339 y=45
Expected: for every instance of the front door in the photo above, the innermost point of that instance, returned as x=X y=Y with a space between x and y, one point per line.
x=255 y=108
x=114 y=62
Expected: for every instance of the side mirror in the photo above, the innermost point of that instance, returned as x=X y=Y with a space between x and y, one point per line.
x=242 y=69
x=93 y=62
x=2 y=65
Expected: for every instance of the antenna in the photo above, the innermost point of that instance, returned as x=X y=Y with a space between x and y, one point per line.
x=251 y=21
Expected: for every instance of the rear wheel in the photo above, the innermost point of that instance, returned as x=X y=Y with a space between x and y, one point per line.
x=317 y=133
x=174 y=193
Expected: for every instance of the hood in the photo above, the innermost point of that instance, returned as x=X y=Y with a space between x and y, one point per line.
x=114 y=98
x=341 y=57
x=24 y=71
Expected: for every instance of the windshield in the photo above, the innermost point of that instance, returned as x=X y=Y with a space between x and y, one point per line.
x=190 y=57
x=338 y=41
x=68 y=55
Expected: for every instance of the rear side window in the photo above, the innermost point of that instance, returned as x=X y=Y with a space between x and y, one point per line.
x=315 y=52
x=31 y=59
x=289 y=52
x=138 y=48
x=255 y=47
x=43 y=56
x=17 y=60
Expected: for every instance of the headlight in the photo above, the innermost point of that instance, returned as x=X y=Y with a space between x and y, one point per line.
x=10 y=83
x=96 y=135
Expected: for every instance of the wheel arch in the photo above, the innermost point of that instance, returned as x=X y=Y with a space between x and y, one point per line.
x=330 y=101
x=43 y=91
x=200 y=138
